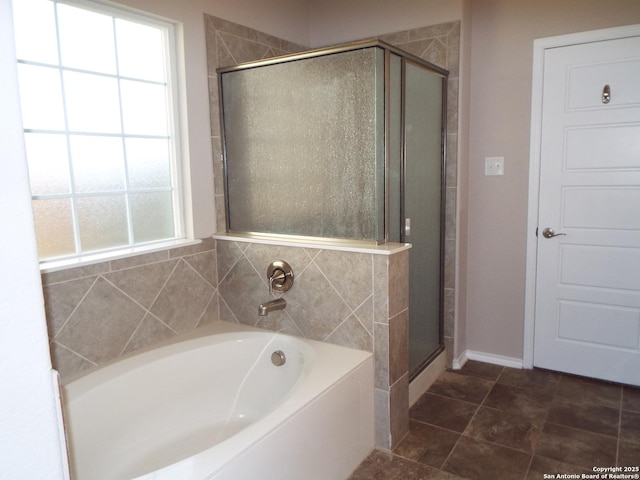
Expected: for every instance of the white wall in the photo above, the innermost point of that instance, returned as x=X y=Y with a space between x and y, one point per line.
x=30 y=441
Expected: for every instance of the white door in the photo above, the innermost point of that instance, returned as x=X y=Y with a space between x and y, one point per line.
x=587 y=304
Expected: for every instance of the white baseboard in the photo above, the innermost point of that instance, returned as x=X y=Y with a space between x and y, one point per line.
x=494 y=359
x=422 y=382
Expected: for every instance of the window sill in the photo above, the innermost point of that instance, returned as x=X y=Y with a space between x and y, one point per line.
x=57 y=265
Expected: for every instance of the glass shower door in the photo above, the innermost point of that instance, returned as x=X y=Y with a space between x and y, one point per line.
x=423 y=188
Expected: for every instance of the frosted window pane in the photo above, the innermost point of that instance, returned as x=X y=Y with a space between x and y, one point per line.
x=54 y=227
x=144 y=108
x=86 y=40
x=98 y=163
x=35 y=31
x=102 y=222
x=140 y=51
x=148 y=163
x=48 y=163
x=152 y=216
x=92 y=103
x=41 y=97
x=301 y=146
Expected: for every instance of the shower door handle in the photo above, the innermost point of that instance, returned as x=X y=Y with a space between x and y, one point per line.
x=407 y=227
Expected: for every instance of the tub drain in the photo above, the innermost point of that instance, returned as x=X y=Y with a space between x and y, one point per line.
x=278 y=358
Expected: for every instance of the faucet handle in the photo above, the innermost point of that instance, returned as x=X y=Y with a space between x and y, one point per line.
x=280 y=276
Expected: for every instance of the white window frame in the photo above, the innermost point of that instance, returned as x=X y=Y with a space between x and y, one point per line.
x=179 y=160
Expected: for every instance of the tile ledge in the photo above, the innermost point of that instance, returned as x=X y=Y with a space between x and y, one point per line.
x=356 y=246
x=55 y=266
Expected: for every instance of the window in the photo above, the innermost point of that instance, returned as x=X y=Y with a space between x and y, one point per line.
x=99 y=112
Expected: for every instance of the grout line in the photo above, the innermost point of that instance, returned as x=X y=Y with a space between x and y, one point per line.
x=66 y=321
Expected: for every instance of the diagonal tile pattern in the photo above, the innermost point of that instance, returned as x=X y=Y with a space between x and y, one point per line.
x=322 y=305
x=100 y=312
x=492 y=422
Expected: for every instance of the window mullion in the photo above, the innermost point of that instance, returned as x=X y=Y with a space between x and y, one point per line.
x=72 y=183
x=122 y=138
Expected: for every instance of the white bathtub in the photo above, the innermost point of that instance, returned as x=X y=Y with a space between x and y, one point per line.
x=214 y=406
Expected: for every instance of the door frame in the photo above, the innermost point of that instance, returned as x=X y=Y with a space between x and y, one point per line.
x=539 y=48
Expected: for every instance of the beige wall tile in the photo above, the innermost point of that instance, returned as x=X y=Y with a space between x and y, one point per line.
x=183 y=299
x=143 y=284
x=102 y=324
x=398 y=346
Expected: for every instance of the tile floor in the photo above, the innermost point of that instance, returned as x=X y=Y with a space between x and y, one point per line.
x=490 y=422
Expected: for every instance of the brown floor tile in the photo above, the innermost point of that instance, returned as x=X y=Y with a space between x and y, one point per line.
x=443 y=412
x=590 y=391
x=385 y=466
x=576 y=447
x=631 y=399
x=630 y=427
x=479 y=460
x=486 y=371
x=523 y=425
x=541 y=466
x=628 y=454
x=542 y=381
x=594 y=418
x=461 y=387
x=513 y=431
x=518 y=400
x=427 y=444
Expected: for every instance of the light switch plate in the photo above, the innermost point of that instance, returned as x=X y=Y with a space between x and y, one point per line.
x=494 y=166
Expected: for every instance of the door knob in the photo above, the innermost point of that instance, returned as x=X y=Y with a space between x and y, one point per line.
x=549 y=233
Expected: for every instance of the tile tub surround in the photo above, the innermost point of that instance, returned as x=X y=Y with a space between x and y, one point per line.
x=99 y=312
x=353 y=299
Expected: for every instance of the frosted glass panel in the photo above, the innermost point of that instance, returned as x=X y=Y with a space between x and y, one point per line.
x=35 y=31
x=301 y=147
x=93 y=104
x=98 y=163
x=86 y=40
x=144 y=108
x=422 y=200
x=102 y=222
x=152 y=216
x=41 y=97
x=140 y=53
x=148 y=163
x=48 y=163
x=54 y=227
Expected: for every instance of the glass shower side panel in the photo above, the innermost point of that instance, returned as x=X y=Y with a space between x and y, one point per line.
x=422 y=204
x=302 y=145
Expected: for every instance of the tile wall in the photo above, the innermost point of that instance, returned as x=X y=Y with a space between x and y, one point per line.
x=99 y=312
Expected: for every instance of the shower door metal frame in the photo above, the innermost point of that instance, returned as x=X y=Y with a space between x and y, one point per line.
x=443 y=156
x=382 y=225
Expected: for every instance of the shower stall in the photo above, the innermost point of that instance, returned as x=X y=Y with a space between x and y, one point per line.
x=344 y=144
